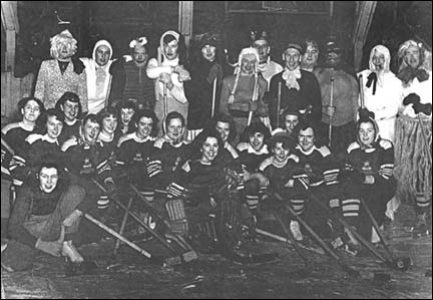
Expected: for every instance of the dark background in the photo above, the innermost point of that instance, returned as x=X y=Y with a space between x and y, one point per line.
x=121 y=21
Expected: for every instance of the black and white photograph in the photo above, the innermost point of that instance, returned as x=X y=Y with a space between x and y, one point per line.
x=216 y=150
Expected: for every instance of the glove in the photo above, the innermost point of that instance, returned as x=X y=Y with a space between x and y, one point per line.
x=52 y=248
x=110 y=185
x=331 y=175
x=213 y=73
x=154 y=167
x=369 y=179
x=412 y=98
x=176 y=191
x=254 y=105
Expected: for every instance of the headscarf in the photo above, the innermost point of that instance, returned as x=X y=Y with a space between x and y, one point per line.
x=246 y=51
x=161 y=55
x=378 y=76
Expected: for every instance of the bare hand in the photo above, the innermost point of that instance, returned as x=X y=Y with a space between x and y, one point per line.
x=330 y=110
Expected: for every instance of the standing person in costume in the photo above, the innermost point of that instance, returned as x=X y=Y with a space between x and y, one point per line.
x=200 y=89
x=169 y=74
x=300 y=90
x=132 y=81
x=99 y=70
x=242 y=94
x=413 y=159
x=310 y=58
x=267 y=67
x=340 y=92
x=63 y=73
x=382 y=91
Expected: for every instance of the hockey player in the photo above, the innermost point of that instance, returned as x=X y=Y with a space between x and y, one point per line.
x=15 y=134
x=251 y=155
x=280 y=170
x=170 y=153
x=320 y=171
x=368 y=175
x=86 y=160
x=43 y=145
x=70 y=105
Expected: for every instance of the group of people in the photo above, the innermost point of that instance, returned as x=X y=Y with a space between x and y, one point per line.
x=303 y=130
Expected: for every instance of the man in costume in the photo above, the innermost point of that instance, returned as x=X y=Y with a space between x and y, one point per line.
x=339 y=99
x=203 y=89
x=299 y=90
x=382 y=91
x=413 y=134
x=132 y=81
x=311 y=56
x=99 y=71
x=63 y=73
x=169 y=74
x=267 y=67
x=242 y=93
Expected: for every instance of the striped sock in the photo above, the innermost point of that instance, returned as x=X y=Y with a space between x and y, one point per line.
x=422 y=202
x=298 y=205
x=252 y=201
x=350 y=208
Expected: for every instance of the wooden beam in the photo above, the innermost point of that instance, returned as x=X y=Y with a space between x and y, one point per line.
x=10 y=50
x=10 y=24
x=363 y=23
x=10 y=16
x=185 y=20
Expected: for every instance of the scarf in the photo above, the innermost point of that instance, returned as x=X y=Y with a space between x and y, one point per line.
x=408 y=74
x=291 y=78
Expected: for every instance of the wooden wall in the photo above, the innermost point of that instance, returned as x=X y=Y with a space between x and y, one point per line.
x=13 y=90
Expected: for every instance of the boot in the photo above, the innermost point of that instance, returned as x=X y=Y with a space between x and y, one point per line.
x=71 y=252
x=422 y=228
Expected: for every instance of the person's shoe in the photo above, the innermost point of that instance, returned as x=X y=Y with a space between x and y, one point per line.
x=421 y=228
x=337 y=243
x=350 y=249
x=71 y=252
x=296 y=230
x=4 y=245
x=375 y=238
